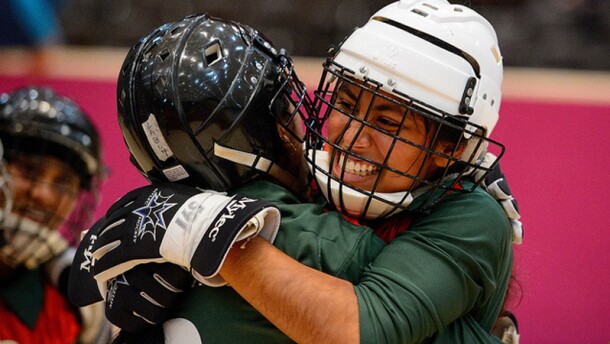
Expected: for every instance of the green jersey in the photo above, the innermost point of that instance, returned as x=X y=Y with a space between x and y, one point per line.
x=394 y=288
x=444 y=280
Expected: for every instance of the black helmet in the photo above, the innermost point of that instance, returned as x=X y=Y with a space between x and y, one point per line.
x=200 y=85
x=37 y=120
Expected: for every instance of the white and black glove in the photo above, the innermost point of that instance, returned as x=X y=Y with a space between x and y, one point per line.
x=82 y=287
x=178 y=224
x=146 y=295
x=496 y=185
x=135 y=300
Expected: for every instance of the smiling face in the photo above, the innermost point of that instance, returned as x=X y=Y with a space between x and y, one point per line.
x=45 y=189
x=377 y=131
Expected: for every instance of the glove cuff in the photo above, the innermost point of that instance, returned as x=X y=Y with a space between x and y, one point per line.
x=242 y=218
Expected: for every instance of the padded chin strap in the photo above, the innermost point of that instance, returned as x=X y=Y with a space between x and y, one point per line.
x=258 y=163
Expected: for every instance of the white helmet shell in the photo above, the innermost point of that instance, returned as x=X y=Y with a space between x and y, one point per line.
x=444 y=55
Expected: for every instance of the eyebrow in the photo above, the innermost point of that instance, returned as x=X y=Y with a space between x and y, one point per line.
x=345 y=88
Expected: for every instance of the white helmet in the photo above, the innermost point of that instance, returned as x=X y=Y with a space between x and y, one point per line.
x=441 y=54
x=441 y=61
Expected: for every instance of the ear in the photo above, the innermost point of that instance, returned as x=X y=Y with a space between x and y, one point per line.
x=287 y=139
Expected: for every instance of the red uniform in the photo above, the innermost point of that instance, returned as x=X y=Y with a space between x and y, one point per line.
x=36 y=313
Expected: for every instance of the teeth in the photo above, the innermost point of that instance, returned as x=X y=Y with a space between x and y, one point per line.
x=359 y=168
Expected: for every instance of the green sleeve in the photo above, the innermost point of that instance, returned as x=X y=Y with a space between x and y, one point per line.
x=322 y=240
x=453 y=263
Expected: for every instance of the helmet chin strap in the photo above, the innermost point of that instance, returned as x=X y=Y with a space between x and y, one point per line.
x=262 y=164
x=352 y=200
x=29 y=243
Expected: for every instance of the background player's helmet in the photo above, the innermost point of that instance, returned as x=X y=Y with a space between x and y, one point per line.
x=200 y=99
x=35 y=122
x=439 y=60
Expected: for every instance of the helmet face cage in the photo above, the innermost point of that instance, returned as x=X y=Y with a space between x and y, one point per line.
x=202 y=83
x=32 y=175
x=457 y=165
x=44 y=193
x=290 y=100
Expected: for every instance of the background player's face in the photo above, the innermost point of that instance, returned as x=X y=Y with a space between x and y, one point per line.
x=44 y=188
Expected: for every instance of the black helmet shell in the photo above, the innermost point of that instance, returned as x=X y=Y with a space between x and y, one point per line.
x=196 y=82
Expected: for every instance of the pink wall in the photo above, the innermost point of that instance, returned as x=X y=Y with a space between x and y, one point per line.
x=558 y=172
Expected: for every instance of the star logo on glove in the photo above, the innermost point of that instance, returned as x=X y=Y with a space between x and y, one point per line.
x=151 y=215
x=112 y=286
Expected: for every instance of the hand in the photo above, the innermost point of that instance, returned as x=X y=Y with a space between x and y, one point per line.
x=495 y=184
x=178 y=224
x=145 y=295
x=137 y=299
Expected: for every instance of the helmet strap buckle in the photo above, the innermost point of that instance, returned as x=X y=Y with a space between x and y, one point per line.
x=465 y=108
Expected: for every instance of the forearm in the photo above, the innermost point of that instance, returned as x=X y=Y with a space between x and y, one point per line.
x=307 y=305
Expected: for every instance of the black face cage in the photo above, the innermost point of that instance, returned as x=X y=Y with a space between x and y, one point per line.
x=427 y=192
x=291 y=98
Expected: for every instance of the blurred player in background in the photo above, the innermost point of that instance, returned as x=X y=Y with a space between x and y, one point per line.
x=53 y=163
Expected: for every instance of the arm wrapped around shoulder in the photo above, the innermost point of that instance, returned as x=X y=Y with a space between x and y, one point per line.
x=179 y=224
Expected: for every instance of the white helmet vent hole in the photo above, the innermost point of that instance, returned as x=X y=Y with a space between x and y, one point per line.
x=485 y=96
x=493 y=101
x=213 y=53
x=420 y=12
x=457 y=9
x=430 y=6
